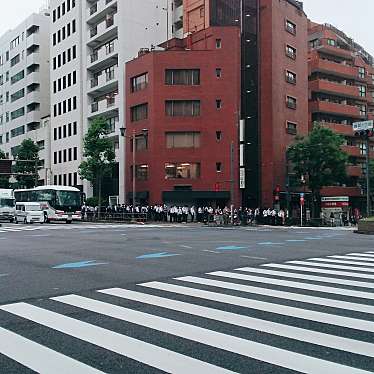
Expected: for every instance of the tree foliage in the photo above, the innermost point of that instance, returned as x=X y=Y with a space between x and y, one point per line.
x=99 y=154
x=320 y=159
x=4 y=180
x=27 y=164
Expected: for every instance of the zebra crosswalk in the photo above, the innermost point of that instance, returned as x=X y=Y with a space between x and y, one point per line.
x=299 y=316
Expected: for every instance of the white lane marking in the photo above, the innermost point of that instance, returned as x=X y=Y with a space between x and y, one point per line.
x=138 y=350
x=296 y=312
x=332 y=303
x=309 y=336
x=39 y=358
x=186 y=246
x=353 y=257
x=258 y=351
x=255 y=258
x=284 y=274
x=336 y=261
x=332 y=266
x=315 y=269
x=298 y=285
x=360 y=255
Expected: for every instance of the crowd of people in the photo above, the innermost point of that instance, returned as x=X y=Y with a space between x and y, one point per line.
x=188 y=214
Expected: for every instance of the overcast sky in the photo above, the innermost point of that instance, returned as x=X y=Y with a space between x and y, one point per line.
x=353 y=17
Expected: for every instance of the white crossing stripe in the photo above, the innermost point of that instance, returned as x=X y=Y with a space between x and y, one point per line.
x=315 y=269
x=352 y=257
x=39 y=358
x=146 y=353
x=282 y=294
x=361 y=254
x=298 y=285
x=276 y=356
x=306 y=314
x=336 y=261
x=284 y=274
x=304 y=335
x=332 y=266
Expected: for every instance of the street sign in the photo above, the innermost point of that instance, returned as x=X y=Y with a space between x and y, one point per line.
x=242 y=178
x=363 y=126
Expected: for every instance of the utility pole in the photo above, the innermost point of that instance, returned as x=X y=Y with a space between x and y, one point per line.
x=368 y=201
x=133 y=174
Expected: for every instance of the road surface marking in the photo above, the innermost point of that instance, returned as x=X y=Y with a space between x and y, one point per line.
x=297 y=333
x=39 y=358
x=284 y=274
x=276 y=356
x=296 y=312
x=146 y=353
x=352 y=257
x=336 y=261
x=298 y=285
x=332 y=266
x=332 y=303
x=313 y=268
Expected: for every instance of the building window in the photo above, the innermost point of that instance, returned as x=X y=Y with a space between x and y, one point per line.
x=139 y=82
x=188 y=77
x=291 y=102
x=362 y=90
x=141 y=172
x=184 y=170
x=361 y=72
x=331 y=42
x=218 y=167
x=290 y=27
x=187 y=108
x=218 y=103
x=290 y=77
x=17 y=113
x=218 y=43
x=139 y=112
x=363 y=110
x=291 y=52
x=218 y=72
x=182 y=139
x=291 y=128
x=218 y=136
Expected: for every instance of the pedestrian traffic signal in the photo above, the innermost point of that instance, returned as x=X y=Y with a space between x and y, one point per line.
x=216 y=187
x=277 y=192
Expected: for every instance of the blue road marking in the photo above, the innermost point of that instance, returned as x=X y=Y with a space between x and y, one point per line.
x=157 y=255
x=230 y=248
x=78 y=265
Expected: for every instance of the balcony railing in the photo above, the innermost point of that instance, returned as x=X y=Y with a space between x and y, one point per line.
x=93 y=31
x=94 y=82
x=93 y=9
x=94 y=56
x=95 y=107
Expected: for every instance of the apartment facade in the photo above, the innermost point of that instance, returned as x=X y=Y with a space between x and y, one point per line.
x=341 y=91
x=90 y=42
x=24 y=89
x=273 y=90
x=187 y=99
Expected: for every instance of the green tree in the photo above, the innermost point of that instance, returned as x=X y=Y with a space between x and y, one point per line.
x=99 y=155
x=27 y=164
x=4 y=180
x=320 y=160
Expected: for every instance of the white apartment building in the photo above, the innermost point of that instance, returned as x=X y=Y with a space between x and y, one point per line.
x=91 y=40
x=24 y=88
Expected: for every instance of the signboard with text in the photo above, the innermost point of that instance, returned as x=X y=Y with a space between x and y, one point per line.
x=363 y=126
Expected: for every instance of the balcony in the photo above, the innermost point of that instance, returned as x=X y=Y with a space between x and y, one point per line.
x=335 y=108
x=33 y=117
x=103 y=31
x=105 y=107
x=335 y=88
x=352 y=150
x=341 y=191
x=33 y=39
x=33 y=77
x=98 y=10
x=106 y=82
x=354 y=171
x=104 y=57
x=339 y=128
x=325 y=66
x=334 y=50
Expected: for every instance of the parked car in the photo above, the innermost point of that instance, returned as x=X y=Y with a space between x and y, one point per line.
x=29 y=213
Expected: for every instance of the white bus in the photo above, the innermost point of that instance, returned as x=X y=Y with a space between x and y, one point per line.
x=7 y=205
x=59 y=203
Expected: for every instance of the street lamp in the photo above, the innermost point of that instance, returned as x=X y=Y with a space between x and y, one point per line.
x=132 y=137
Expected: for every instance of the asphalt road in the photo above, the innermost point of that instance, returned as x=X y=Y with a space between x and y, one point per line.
x=270 y=316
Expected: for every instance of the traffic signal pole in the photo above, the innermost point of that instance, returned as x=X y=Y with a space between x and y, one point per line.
x=368 y=202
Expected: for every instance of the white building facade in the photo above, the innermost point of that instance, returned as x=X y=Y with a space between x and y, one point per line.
x=90 y=42
x=24 y=89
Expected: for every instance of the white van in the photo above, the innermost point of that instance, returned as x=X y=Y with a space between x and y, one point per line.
x=7 y=205
x=29 y=213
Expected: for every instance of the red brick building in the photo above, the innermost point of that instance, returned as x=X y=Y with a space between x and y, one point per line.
x=341 y=91
x=188 y=99
x=253 y=93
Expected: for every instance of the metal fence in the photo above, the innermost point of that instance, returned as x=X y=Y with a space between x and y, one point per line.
x=115 y=217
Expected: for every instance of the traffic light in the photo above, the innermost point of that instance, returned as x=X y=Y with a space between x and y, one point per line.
x=277 y=192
